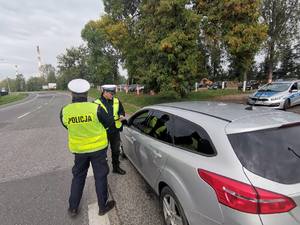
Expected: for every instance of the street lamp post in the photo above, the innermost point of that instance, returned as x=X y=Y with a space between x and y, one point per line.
x=16 y=68
x=8 y=86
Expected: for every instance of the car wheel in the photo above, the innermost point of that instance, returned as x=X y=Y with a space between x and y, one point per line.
x=286 y=104
x=172 y=210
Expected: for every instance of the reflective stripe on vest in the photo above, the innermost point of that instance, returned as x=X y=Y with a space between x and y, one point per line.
x=86 y=133
x=116 y=115
x=98 y=101
x=118 y=124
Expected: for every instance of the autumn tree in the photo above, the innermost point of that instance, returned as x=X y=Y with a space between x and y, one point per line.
x=103 y=58
x=48 y=72
x=236 y=24
x=282 y=18
x=73 y=64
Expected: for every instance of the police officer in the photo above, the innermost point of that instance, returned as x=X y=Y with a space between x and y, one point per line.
x=86 y=123
x=115 y=109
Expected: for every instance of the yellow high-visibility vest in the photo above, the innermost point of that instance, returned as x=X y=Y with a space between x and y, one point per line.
x=85 y=132
x=116 y=104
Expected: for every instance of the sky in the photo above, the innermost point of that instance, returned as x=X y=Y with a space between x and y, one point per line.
x=54 y=25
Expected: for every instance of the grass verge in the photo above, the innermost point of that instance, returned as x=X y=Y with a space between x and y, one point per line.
x=133 y=102
x=12 y=98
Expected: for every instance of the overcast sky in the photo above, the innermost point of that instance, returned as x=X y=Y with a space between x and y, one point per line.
x=54 y=25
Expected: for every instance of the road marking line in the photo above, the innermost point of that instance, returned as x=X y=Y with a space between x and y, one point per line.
x=94 y=218
x=24 y=115
x=90 y=172
x=39 y=107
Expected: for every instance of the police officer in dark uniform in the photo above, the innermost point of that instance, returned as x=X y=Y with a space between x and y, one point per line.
x=86 y=123
x=115 y=109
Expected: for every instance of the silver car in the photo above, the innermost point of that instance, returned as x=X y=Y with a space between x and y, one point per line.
x=280 y=95
x=214 y=163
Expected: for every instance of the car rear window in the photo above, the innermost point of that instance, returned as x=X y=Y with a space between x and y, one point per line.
x=273 y=153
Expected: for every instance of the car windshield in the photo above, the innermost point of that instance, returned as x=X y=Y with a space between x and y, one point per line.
x=273 y=153
x=277 y=87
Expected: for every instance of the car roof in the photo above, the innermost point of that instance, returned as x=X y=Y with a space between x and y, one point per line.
x=238 y=116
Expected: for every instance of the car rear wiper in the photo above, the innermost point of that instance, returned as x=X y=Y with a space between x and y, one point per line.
x=293 y=151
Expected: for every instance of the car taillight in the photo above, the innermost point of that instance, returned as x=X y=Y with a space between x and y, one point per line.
x=245 y=197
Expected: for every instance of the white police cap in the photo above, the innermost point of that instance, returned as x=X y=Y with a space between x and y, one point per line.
x=79 y=86
x=109 y=87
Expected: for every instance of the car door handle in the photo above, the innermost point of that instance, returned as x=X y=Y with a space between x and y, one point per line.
x=157 y=154
x=130 y=138
x=133 y=139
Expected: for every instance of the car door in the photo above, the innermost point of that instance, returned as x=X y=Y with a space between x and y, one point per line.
x=294 y=94
x=297 y=95
x=136 y=125
x=153 y=145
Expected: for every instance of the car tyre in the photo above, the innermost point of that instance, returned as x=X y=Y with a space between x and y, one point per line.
x=172 y=210
x=286 y=104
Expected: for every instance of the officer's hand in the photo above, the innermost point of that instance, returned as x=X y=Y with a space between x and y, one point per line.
x=122 y=118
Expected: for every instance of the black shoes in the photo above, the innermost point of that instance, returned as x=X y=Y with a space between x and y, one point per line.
x=73 y=212
x=118 y=170
x=110 y=205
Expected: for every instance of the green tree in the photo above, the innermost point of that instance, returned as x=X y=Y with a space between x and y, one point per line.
x=282 y=18
x=35 y=83
x=236 y=24
x=103 y=57
x=48 y=72
x=73 y=64
x=20 y=83
x=169 y=31
x=289 y=58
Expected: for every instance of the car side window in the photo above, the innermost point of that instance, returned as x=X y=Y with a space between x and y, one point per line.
x=192 y=137
x=298 y=84
x=141 y=121
x=294 y=86
x=159 y=126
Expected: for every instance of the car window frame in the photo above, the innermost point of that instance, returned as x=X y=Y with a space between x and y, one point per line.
x=151 y=112
x=203 y=131
x=173 y=118
x=171 y=129
x=134 y=116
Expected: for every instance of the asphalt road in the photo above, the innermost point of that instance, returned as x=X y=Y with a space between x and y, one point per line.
x=35 y=172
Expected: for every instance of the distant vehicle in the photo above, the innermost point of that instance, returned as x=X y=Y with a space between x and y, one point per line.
x=217 y=85
x=279 y=94
x=52 y=86
x=204 y=83
x=214 y=163
x=3 y=92
x=250 y=85
x=133 y=87
x=122 y=87
x=49 y=86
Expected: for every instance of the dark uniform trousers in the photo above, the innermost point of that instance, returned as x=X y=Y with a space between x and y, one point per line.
x=100 y=168
x=114 y=141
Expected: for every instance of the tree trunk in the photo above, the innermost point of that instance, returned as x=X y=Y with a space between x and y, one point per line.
x=270 y=62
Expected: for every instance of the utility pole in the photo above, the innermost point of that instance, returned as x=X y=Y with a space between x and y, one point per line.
x=39 y=60
x=8 y=85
